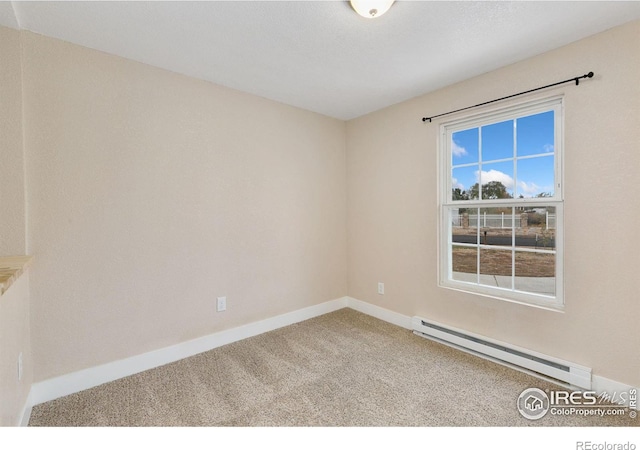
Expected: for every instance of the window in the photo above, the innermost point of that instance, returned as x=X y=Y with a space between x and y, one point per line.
x=501 y=204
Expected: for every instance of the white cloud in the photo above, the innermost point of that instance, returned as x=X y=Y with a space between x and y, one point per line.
x=548 y=148
x=456 y=184
x=457 y=150
x=496 y=175
x=528 y=189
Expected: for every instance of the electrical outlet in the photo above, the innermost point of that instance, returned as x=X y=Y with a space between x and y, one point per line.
x=20 y=367
x=381 y=288
x=222 y=304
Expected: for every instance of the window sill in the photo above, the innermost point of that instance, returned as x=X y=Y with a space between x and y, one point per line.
x=11 y=267
x=507 y=295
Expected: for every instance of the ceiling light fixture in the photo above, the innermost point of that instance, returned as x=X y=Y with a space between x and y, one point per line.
x=371 y=8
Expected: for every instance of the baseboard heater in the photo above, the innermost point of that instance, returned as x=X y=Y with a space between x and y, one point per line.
x=537 y=363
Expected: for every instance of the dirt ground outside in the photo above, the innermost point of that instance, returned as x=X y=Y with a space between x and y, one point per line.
x=498 y=262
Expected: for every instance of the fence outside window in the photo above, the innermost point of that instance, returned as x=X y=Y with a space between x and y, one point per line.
x=501 y=221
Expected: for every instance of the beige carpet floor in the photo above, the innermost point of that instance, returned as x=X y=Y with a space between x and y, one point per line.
x=341 y=369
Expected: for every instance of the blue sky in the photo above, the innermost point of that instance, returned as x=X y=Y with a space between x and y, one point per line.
x=535 y=137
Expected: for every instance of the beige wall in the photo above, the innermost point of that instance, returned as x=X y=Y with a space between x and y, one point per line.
x=392 y=208
x=12 y=216
x=151 y=193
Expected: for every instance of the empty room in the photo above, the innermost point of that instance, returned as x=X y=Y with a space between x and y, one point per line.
x=319 y=214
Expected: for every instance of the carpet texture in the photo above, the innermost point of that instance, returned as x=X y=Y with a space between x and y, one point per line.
x=341 y=369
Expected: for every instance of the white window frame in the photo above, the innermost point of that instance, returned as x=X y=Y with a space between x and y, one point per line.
x=446 y=204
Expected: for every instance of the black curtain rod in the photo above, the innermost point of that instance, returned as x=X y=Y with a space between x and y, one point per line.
x=576 y=79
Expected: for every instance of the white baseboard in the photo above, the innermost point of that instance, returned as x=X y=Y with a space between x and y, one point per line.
x=380 y=313
x=71 y=383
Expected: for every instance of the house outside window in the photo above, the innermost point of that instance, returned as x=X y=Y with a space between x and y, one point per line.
x=501 y=203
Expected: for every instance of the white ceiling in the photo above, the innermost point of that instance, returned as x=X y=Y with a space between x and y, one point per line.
x=320 y=55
